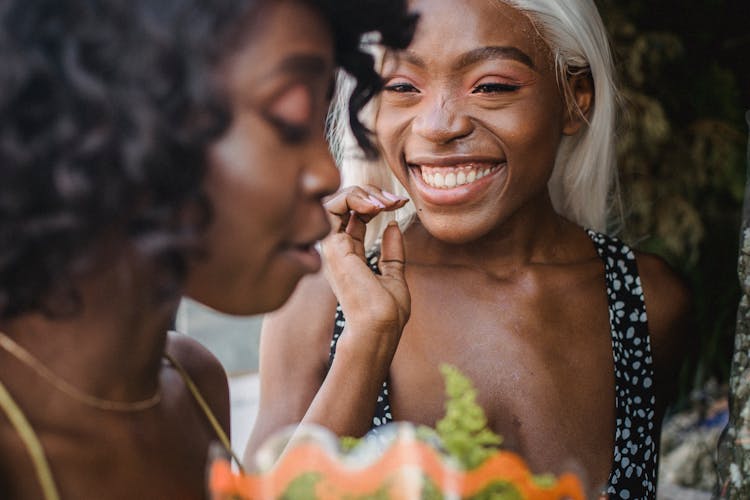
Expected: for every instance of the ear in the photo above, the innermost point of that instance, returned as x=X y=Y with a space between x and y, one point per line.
x=580 y=101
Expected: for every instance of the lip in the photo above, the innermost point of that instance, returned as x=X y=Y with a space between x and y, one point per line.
x=302 y=250
x=447 y=161
x=459 y=194
x=305 y=256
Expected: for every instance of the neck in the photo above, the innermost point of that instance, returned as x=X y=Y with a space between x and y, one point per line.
x=111 y=348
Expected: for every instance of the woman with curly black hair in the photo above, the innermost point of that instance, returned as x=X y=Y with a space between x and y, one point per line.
x=148 y=149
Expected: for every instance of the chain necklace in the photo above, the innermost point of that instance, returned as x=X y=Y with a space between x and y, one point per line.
x=69 y=390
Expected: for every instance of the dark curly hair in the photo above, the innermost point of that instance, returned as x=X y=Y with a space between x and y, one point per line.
x=107 y=108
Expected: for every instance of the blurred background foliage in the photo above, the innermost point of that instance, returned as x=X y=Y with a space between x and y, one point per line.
x=682 y=152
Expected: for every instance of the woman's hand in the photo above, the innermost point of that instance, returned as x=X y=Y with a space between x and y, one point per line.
x=376 y=307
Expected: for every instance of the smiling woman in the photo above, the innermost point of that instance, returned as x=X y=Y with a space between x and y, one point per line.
x=498 y=123
x=148 y=149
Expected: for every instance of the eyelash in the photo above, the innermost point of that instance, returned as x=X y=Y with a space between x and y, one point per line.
x=494 y=88
x=485 y=88
x=290 y=134
x=401 y=88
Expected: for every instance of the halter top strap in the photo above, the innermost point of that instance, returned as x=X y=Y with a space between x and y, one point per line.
x=205 y=408
x=19 y=421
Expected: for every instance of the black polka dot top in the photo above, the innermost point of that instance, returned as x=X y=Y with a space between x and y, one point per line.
x=634 y=460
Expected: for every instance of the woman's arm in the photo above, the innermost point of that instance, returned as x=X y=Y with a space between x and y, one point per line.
x=296 y=385
x=294 y=345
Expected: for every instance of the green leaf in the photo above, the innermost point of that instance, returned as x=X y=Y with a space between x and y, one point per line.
x=302 y=487
x=463 y=431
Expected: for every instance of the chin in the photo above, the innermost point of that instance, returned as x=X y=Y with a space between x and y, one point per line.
x=275 y=295
x=250 y=303
x=455 y=232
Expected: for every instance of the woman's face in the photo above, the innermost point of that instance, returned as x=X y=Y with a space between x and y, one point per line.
x=471 y=116
x=269 y=171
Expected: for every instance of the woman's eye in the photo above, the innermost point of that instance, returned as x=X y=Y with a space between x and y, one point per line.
x=289 y=132
x=494 y=88
x=401 y=87
x=291 y=113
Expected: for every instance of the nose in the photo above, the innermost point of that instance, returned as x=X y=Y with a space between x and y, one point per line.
x=442 y=120
x=320 y=177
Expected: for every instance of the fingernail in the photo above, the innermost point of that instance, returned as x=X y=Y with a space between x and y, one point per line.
x=376 y=201
x=393 y=197
x=393 y=223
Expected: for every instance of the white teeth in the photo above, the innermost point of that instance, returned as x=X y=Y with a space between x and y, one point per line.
x=450 y=180
x=461 y=178
x=441 y=177
x=438 y=180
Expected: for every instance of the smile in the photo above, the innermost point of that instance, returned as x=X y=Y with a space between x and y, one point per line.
x=449 y=177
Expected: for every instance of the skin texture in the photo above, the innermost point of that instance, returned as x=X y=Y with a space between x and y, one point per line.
x=266 y=178
x=272 y=167
x=117 y=355
x=501 y=285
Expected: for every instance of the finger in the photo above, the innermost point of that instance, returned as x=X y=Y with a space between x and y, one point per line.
x=356 y=229
x=342 y=204
x=352 y=280
x=368 y=201
x=356 y=199
x=392 y=255
x=389 y=200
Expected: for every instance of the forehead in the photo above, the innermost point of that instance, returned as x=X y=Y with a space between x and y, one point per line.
x=282 y=23
x=280 y=31
x=448 y=27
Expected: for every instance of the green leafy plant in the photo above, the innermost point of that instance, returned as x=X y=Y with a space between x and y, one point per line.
x=463 y=430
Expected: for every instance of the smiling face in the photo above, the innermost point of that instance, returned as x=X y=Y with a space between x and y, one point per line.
x=269 y=171
x=471 y=116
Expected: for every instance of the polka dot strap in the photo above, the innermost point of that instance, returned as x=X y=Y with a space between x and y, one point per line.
x=635 y=454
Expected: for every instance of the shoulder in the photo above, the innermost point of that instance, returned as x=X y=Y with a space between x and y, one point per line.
x=669 y=307
x=205 y=370
x=307 y=319
x=667 y=295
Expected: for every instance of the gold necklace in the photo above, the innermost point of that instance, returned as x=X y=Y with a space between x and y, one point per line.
x=69 y=390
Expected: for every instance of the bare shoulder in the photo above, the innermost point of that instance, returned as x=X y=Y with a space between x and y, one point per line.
x=307 y=319
x=205 y=370
x=668 y=297
x=669 y=307
x=298 y=336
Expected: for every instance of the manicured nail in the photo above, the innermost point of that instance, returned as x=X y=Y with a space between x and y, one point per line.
x=376 y=201
x=393 y=197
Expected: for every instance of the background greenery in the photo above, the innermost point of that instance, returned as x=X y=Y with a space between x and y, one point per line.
x=683 y=150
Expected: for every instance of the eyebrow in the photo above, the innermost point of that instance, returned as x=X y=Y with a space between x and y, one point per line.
x=475 y=56
x=493 y=52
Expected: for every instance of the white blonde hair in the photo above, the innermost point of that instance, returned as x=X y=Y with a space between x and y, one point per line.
x=583 y=182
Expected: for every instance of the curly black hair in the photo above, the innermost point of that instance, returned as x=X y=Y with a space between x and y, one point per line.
x=107 y=108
